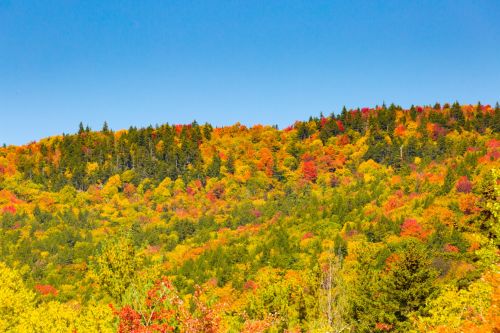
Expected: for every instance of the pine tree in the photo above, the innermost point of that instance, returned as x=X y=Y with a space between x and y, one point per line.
x=413 y=113
x=408 y=284
x=230 y=164
x=81 y=129
x=213 y=169
x=457 y=114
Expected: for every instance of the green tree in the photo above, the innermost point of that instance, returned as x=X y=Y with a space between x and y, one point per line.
x=408 y=284
x=213 y=169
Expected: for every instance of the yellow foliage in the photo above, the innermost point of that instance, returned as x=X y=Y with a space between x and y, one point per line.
x=95 y=318
x=112 y=186
x=15 y=299
x=91 y=167
x=51 y=317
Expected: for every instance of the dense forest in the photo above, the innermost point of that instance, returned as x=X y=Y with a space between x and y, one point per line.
x=368 y=220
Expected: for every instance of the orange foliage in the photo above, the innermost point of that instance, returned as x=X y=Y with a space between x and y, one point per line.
x=383 y=327
x=46 y=289
x=390 y=261
x=266 y=161
x=400 y=130
x=468 y=204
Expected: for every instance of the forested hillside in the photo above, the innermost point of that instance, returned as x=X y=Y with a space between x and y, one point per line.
x=371 y=220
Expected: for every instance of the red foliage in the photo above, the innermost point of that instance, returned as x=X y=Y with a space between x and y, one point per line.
x=178 y=128
x=9 y=209
x=46 y=289
x=250 y=284
x=493 y=143
x=190 y=191
x=383 y=327
x=164 y=311
x=161 y=311
x=310 y=171
x=308 y=235
x=340 y=126
x=344 y=139
x=451 y=248
x=256 y=213
x=130 y=320
x=437 y=131
x=464 y=185
x=412 y=228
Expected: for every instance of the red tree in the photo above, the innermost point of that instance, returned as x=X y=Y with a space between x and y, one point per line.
x=464 y=185
x=310 y=171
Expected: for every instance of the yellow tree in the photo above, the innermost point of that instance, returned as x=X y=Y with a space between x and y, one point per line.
x=16 y=301
x=114 y=269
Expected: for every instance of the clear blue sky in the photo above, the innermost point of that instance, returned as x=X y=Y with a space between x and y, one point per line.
x=147 y=62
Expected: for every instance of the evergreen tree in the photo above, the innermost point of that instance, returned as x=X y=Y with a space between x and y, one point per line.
x=230 y=164
x=81 y=129
x=409 y=283
x=213 y=169
x=302 y=131
x=413 y=113
x=457 y=114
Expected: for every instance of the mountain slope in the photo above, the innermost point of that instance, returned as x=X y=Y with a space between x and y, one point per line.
x=377 y=219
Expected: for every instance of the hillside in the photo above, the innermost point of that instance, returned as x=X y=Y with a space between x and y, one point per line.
x=373 y=220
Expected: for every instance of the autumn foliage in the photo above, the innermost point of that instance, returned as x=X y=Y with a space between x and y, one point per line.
x=373 y=219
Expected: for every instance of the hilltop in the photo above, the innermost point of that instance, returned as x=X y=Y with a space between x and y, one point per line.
x=374 y=219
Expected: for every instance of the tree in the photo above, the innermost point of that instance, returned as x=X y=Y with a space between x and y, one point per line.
x=16 y=301
x=161 y=309
x=207 y=131
x=302 y=130
x=457 y=114
x=230 y=164
x=329 y=129
x=115 y=267
x=408 y=284
x=309 y=170
x=213 y=169
x=81 y=129
x=334 y=293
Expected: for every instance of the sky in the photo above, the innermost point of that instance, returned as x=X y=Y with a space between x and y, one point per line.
x=270 y=62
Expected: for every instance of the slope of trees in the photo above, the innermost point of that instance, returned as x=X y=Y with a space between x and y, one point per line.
x=372 y=220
